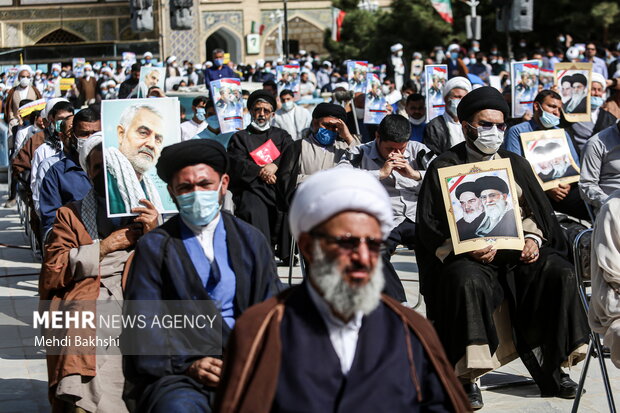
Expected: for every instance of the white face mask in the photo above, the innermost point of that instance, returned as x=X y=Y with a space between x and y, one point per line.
x=489 y=141
x=399 y=53
x=263 y=128
x=453 y=105
x=288 y=105
x=417 y=121
x=24 y=81
x=385 y=89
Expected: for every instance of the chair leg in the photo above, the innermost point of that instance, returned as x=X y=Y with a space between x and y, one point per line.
x=291 y=262
x=582 y=379
x=601 y=360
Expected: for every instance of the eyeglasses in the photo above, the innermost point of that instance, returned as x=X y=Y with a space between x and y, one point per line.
x=262 y=110
x=350 y=243
x=487 y=126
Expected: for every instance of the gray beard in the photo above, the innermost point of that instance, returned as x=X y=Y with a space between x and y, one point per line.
x=344 y=299
x=497 y=211
x=469 y=217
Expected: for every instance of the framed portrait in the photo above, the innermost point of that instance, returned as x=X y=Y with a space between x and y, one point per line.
x=375 y=108
x=228 y=104
x=482 y=206
x=356 y=73
x=134 y=133
x=287 y=77
x=435 y=77
x=77 y=66
x=573 y=81
x=149 y=77
x=524 y=84
x=550 y=156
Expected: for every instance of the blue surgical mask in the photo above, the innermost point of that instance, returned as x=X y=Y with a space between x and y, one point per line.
x=288 y=105
x=199 y=208
x=213 y=122
x=453 y=106
x=549 y=120
x=596 y=102
x=58 y=126
x=454 y=55
x=325 y=136
x=218 y=62
x=200 y=114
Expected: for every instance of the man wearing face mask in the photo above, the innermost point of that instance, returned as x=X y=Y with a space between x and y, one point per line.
x=462 y=292
x=601 y=118
x=396 y=68
x=445 y=131
x=196 y=124
x=564 y=198
x=85 y=260
x=392 y=158
x=255 y=156
x=291 y=117
x=23 y=90
x=416 y=113
x=203 y=253
x=66 y=181
x=219 y=70
x=87 y=87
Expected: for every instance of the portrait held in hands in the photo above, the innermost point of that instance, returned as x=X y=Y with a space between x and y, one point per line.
x=150 y=77
x=376 y=103
x=524 y=86
x=550 y=156
x=435 y=77
x=573 y=81
x=134 y=133
x=481 y=205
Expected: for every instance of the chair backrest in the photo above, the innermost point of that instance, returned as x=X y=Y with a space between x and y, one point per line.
x=582 y=264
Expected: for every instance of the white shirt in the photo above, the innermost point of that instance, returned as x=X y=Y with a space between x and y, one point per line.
x=205 y=235
x=394 y=97
x=294 y=121
x=342 y=335
x=44 y=157
x=455 y=129
x=189 y=129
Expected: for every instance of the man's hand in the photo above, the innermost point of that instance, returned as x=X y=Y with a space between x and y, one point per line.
x=120 y=239
x=341 y=129
x=485 y=255
x=402 y=166
x=268 y=173
x=207 y=371
x=558 y=193
x=530 y=251
x=149 y=216
x=386 y=169
x=389 y=108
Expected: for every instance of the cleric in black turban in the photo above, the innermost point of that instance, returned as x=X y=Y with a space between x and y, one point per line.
x=323 y=110
x=192 y=152
x=463 y=291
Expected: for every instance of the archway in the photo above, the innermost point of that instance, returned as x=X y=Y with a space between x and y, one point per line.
x=224 y=39
x=60 y=36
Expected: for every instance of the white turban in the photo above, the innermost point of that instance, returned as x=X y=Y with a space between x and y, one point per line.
x=171 y=59
x=25 y=67
x=599 y=78
x=148 y=54
x=396 y=47
x=50 y=105
x=88 y=66
x=454 y=46
x=329 y=192
x=572 y=53
x=94 y=140
x=457 y=82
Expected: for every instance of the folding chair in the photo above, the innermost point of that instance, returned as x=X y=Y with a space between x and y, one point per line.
x=595 y=349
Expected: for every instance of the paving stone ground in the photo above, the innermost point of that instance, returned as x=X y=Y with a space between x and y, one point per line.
x=23 y=378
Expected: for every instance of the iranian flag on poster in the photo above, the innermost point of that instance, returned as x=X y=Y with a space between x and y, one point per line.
x=444 y=8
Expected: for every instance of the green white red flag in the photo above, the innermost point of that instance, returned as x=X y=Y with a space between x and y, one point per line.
x=444 y=8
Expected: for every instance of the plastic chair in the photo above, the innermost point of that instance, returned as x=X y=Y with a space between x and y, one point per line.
x=595 y=349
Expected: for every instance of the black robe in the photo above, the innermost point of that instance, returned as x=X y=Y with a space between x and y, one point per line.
x=461 y=294
x=437 y=136
x=467 y=230
x=163 y=270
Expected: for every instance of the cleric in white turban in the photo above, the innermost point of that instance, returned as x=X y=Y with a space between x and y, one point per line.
x=445 y=131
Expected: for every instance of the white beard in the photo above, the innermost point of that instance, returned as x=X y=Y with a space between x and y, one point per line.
x=496 y=212
x=560 y=170
x=470 y=216
x=343 y=298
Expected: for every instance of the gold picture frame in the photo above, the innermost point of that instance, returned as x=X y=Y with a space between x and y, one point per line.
x=494 y=218
x=544 y=150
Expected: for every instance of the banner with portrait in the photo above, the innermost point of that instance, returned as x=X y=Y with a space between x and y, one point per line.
x=375 y=108
x=228 y=102
x=435 y=77
x=550 y=156
x=150 y=77
x=573 y=81
x=356 y=73
x=287 y=78
x=481 y=205
x=524 y=84
x=77 y=66
x=545 y=78
x=134 y=133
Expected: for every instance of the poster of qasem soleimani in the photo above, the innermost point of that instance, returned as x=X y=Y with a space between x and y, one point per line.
x=134 y=133
x=550 y=156
x=226 y=94
x=573 y=81
x=481 y=206
x=524 y=86
x=356 y=73
x=435 y=78
x=375 y=108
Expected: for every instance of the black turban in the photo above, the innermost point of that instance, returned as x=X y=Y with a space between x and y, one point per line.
x=485 y=97
x=579 y=78
x=329 y=109
x=466 y=187
x=491 y=182
x=192 y=152
x=568 y=79
x=261 y=94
